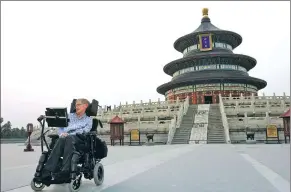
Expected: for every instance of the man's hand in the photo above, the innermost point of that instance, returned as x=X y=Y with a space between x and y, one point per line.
x=64 y=134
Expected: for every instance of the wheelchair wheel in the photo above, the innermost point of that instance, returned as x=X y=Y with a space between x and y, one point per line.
x=36 y=186
x=75 y=185
x=98 y=174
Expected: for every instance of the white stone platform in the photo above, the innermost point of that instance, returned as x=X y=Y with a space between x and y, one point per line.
x=171 y=168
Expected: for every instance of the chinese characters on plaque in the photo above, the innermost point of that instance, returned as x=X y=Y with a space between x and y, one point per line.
x=205 y=42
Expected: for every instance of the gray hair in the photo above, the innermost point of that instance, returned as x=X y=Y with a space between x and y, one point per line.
x=83 y=101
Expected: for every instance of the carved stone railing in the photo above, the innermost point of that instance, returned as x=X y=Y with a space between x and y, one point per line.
x=176 y=122
x=182 y=111
x=172 y=130
x=186 y=105
x=224 y=120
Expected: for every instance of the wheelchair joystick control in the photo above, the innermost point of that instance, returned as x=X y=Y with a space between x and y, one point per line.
x=29 y=129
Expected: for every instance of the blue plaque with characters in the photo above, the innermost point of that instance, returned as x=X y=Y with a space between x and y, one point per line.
x=205 y=42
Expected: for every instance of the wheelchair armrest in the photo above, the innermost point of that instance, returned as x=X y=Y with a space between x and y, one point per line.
x=92 y=133
x=53 y=136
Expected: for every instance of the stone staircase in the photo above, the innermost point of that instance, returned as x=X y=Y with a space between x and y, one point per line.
x=215 y=126
x=182 y=134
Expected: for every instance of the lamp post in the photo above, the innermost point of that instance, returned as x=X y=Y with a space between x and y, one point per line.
x=29 y=129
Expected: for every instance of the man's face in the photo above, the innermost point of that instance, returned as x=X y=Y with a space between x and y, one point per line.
x=80 y=107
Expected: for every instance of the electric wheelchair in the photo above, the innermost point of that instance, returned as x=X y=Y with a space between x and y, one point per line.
x=85 y=162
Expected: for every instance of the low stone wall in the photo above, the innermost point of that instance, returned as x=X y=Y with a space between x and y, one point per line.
x=158 y=138
x=259 y=135
x=12 y=140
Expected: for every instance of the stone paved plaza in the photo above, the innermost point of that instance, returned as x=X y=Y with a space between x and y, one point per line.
x=171 y=168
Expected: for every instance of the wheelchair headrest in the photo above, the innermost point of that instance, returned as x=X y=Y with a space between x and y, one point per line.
x=90 y=111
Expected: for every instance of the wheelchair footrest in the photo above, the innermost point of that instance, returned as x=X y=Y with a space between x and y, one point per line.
x=53 y=181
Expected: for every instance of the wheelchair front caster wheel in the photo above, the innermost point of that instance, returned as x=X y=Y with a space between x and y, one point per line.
x=35 y=186
x=98 y=174
x=75 y=184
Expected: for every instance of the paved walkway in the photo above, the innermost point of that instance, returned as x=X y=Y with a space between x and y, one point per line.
x=187 y=168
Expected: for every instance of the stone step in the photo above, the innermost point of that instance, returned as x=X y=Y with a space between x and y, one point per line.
x=187 y=120
x=181 y=139
x=183 y=130
x=184 y=125
x=216 y=126
x=187 y=125
x=215 y=133
x=210 y=137
x=215 y=137
x=215 y=142
x=215 y=129
x=179 y=143
x=182 y=134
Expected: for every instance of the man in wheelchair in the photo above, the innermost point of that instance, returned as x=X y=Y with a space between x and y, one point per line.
x=77 y=144
x=69 y=139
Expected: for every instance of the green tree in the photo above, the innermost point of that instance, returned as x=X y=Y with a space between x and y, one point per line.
x=6 y=130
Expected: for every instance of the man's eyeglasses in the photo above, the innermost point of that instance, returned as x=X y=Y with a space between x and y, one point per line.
x=79 y=104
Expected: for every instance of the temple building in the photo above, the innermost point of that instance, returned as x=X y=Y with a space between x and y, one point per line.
x=209 y=67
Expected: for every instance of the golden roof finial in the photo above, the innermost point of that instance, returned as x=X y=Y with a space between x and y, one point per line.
x=205 y=12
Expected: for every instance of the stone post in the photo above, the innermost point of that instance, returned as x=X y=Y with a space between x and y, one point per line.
x=230 y=96
x=284 y=96
x=274 y=96
x=283 y=105
x=267 y=118
x=253 y=97
x=169 y=110
x=236 y=107
x=246 y=119
x=156 y=122
x=138 y=122
x=253 y=106
x=268 y=106
x=241 y=97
